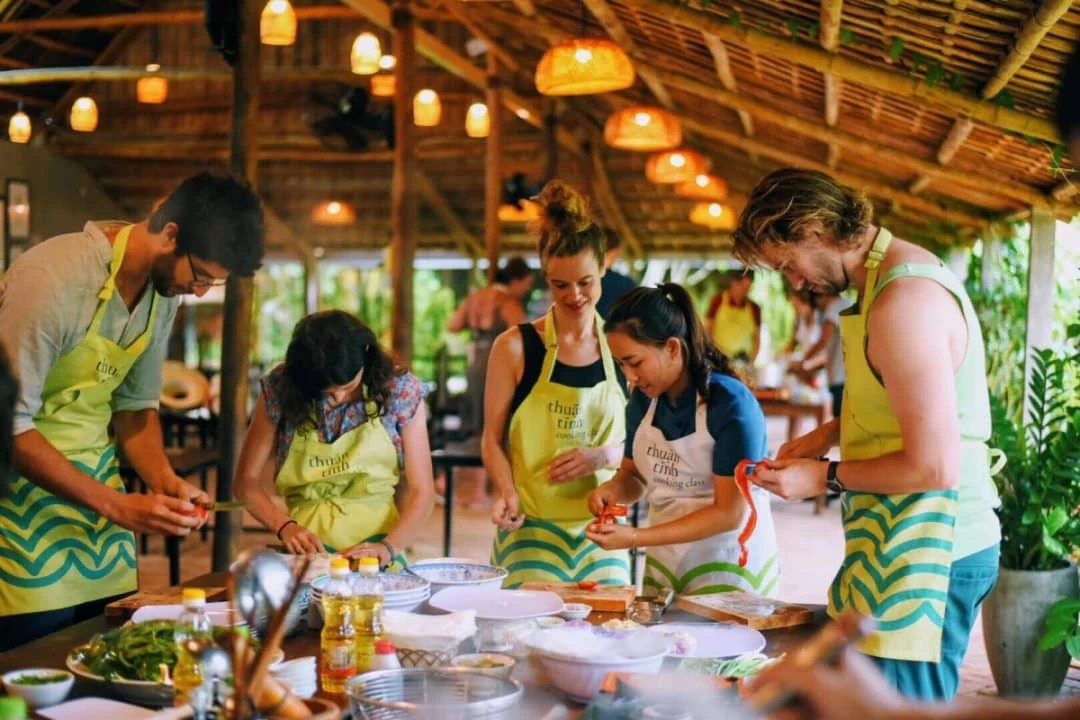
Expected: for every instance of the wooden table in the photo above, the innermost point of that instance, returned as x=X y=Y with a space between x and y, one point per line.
x=52 y=650
x=793 y=411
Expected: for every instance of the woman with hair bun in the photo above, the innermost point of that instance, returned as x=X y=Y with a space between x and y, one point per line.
x=342 y=424
x=688 y=424
x=554 y=412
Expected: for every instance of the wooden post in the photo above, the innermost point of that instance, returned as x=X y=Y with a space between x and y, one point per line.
x=493 y=180
x=236 y=333
x=311 y=283
x=1041 y=289
x=403 y=196
x=551 y=140
x=992 y=255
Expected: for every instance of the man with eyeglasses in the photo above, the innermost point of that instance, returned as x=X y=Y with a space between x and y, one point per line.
x=86 y=318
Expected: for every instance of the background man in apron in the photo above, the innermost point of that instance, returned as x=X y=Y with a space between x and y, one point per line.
x=689 y=423
x=922 y=539
x=87 y=317
x=733 y=320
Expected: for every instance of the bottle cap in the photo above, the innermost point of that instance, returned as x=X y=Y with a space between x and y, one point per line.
x=339 y=565
x=385 y=647
x=194 y=595
x=12 y=708
x=368 y=564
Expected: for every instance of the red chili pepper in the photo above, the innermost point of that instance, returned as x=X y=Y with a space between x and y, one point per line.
x=587 y=585
x=610 y=512
x=743 y=470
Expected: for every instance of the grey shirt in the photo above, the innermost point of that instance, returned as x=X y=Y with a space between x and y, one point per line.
x=834 y=353
x=47 y=301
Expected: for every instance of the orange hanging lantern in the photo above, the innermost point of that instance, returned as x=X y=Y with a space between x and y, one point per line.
x=643 y=128
x=152 y=89
x=477 y=121
x=277 y=24
x=19 y=128
x=333 y=212
x=675 y=166
x=383 y=85
x=427 y=109
x=84 y=115
x=703 y=187
x=584 y=66
x=509 y=213
x=365 y=55
x=714 y=216
x=387 y=62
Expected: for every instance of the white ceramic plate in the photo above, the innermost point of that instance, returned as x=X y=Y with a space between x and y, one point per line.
x=218 y=612
x=715 y=640
x=93 y=707
x=495 y=604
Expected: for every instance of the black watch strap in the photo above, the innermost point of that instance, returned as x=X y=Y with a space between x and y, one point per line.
x=832 y=483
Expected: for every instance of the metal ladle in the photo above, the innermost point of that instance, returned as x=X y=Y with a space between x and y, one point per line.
x=263 y=581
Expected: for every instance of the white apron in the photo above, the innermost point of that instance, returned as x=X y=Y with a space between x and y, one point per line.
x=679 y=480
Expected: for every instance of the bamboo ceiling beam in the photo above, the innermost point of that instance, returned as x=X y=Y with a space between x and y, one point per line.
x=1065 y=190
x=465 y=239
x=28 y=100
x=57 y=46
x=526 y=7
x=117 y=45
x=958 y=133
x=152 y=17
x=462 y=16
x=727 y=78
x=829 y=37
x=448 y=59
x=1026 y=41
x=894 y=82
x=607 y=18
x=60 y=8
x=609 y=202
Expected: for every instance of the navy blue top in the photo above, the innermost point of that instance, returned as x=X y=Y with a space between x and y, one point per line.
x=613 y=285
x=734 y=419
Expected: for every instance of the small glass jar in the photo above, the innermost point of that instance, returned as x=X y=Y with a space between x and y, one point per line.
x=644 y=612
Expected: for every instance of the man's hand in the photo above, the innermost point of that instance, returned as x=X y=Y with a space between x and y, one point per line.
x=813 y=444
x=154 y=514
x=791 y=479
x=601 y=497
x=375 y=550
x=610 y=536
x=298 y=540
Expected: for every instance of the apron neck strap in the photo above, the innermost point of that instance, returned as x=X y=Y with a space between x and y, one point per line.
x=873 y=262
x=119 y=248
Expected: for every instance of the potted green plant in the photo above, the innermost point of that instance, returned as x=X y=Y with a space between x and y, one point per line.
x=1040 y=524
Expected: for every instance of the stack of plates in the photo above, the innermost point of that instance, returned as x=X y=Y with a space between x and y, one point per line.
x=299 y=674
x=400 y=592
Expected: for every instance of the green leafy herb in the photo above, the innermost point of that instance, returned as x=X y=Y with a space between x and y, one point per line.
x=40 y=679
x=742 y=666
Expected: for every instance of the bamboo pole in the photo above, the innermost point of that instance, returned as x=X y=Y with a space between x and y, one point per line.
x=462 y=16
x=526 y=7
x=236 y=333
x=152 y=17
x=466 y=241
x=727 y=78
x=403 y=200
x=829 y=37
x=891 y=81
x=493 y=171
x=607 y=18
x=601 y=184
x=831 y=12
x=958 y=133
x=1027 y=40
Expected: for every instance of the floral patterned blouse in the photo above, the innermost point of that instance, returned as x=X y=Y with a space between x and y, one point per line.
x=406 y=394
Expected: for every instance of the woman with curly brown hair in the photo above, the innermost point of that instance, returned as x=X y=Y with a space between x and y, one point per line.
x=554 y=412
x=341 y=423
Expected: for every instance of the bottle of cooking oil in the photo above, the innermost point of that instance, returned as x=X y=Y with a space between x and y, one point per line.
x=368 y=598
x=338 y=633
x=193 y=624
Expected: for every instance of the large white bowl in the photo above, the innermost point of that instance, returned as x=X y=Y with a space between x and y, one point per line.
x=580 y=677
x=39 y=696
x=444 y=575
x=140 y=692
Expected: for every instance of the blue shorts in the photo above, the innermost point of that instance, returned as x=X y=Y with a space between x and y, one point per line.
x=970 y=581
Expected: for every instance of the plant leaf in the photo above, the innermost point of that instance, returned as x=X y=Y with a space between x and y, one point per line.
x=736 y=19
x=896 y=49
x=934 y=74
x=847 y=36
x=1005 y=99
x=1072 y=644
x=1056 y=520
x=957 y=81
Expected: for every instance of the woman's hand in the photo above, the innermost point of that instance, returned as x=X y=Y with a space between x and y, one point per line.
x=611 y=536
x=575 y=464
x=813 y=444
x=506 y=514
x=606 y=494
x=791 y=479
x=298 y=540
x=375 y=550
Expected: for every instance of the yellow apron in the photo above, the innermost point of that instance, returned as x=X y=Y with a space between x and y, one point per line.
x=55 y=554
x=899 y=548
x=551 y=546
x=734 y=329
x=343 y=491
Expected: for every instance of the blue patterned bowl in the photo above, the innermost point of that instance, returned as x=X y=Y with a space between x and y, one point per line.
x=458 y=574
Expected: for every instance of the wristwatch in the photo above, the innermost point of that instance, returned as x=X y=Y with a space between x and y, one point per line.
x=832 y=483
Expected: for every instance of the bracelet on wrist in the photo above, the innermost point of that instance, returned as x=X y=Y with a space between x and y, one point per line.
x=284 y=525
x=390 y=549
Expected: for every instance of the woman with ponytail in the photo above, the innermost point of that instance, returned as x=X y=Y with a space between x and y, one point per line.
x=341 y=424
x=554 y=412
x=688 y=424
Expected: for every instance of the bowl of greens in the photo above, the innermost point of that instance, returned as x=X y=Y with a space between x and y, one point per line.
x=39 y=687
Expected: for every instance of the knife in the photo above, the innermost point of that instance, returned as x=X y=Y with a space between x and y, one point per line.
x=225 y=506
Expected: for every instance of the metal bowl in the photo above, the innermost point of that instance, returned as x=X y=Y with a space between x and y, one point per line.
x=445 y=693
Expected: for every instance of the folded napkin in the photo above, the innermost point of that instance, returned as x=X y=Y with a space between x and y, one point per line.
x=428 y=632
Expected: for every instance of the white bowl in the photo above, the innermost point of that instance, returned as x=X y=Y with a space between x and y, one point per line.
x=39 y=696
x=575 y=611
x=495 y=664
x=580 y=677
x=443 y=575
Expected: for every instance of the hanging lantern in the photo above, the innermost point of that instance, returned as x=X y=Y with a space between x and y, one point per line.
x=366 y=53
x=19 y=127
x=477 y=121
x=641 y=128
x=584 y=66
x=510 y=213
x=714 y=216
x=703 y=187
x=675 y=166
x=427 y=110
x=387 y=62
x=152 y=89
x=333 y=212
x=277 y=24
x=84 y=115
x=383 y=85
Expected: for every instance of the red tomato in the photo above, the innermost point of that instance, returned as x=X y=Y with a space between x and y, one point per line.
x=587 y=585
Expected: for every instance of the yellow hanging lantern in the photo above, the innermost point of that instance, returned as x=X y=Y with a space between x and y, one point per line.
x=383 y=85
x=584 y=66
x=703 y=187
x=643 y=128
x=714 y=216
x=387 y=62
x=366 y=53
x=152 y=89
x=277 y=24
x=529 y=211
x=333 y=212
x=675 y=166
x=427 y=109
x=84 y=115
x=19 y=128
x=477 y=121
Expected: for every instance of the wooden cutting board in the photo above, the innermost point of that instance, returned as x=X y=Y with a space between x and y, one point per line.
x=602 y=598
x=747 y=609
x=122 y=609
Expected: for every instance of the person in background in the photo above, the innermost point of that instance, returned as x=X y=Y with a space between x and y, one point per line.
x=341 y=424
x=828 y=352
x=614 y=284
x=733 y=320
x=689 y=422
x=806 y=327
x=87 y=318
x=554 y=419
x=486 y=313
x=915 y=467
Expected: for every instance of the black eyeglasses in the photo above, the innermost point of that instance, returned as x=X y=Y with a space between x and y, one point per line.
x=197 y=282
